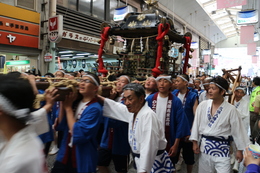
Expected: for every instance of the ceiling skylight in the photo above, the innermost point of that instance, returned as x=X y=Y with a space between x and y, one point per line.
x=225 y=19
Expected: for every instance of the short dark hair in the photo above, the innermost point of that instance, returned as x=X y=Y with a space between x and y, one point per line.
x=256 y=80
x=18 y=91
x=137 y=88
x=49 y=74
x=14 y=74
x=222 y=82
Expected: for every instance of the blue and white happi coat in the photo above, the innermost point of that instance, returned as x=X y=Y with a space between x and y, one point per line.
x=145 y=136
x=213 y=132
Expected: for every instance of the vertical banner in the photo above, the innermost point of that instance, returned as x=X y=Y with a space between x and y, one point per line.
x=198 y=62
x=206 y=58
x=247 y=34
x=251 y=49
x=230 y=3
x=254 y=59
x=215 y=62
x=194 y=58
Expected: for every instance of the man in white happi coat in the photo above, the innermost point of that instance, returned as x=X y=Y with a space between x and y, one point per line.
x=242 y=106
x=204 y=95
x=146 y=135
x=216 y=123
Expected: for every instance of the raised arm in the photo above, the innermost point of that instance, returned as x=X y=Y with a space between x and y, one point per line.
x=115 y=110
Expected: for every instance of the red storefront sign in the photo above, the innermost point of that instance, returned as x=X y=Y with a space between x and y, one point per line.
x=18 y=39
x=19 y=26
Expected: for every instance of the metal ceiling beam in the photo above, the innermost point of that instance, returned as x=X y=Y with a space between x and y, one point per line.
x=226 y=16
x=233 y=9
x=226 y=25
x=229 y=28
x=209 y=3
x=228 y=33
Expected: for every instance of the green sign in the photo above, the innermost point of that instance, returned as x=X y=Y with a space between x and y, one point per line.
x=23 y=62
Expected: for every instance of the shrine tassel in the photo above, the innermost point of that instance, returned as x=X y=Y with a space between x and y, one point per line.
x=104 y=38
x=187 y=47
x=156 y=71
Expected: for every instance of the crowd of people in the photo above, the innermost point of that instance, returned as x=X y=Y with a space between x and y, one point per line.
x=154 y=124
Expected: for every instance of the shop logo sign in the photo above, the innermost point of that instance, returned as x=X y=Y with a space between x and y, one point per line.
x=53 y=24
x=11 y=38
x=55 y=29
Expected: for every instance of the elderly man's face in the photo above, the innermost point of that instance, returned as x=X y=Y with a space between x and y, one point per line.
x=121 y=82
x=132 y=102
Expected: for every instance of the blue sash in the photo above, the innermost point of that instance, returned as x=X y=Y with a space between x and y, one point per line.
x=163 y=165
x=217 y=146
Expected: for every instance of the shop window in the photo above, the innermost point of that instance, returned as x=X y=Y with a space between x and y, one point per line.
x=72 y=4
x=85 y=6
x=63 y=3
x=113 y=5
x=29 y=4
x=98 y=9
x=131 y=8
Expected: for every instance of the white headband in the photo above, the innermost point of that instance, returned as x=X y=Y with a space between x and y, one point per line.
x=60 y=71
x=183 y=78
x=164 y=77
x=95 y=81
x=240 y=88
x=126 y=78
x=218 y=85
x=205 y=84
x=7 y=107
x=68 y=74
x=151 y=78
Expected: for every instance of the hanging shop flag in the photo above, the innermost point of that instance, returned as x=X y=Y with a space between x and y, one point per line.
x=247 y=34
x=230 y=3
x=215 y=62
x=194 y=58
x=206 y=58
x=254 y=59
x=251 y=49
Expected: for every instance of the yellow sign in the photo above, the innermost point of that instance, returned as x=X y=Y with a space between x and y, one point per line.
x=19 y=13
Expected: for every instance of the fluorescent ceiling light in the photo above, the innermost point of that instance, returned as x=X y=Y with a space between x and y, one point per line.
x=68 y=51
x=67 y=55
x=79 y=54
x=78 y=57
